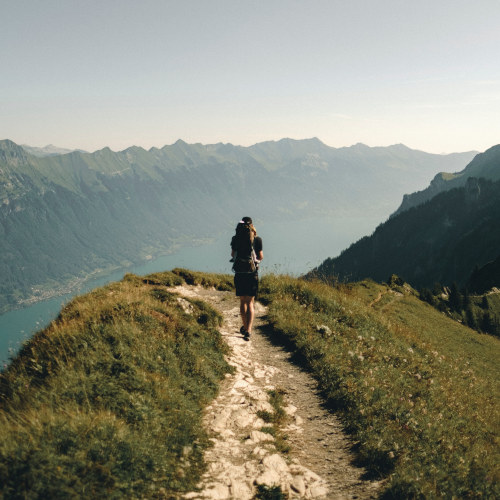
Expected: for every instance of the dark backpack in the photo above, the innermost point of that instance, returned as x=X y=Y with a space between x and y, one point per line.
x=246 y=263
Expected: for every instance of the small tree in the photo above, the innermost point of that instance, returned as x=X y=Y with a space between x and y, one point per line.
x=496 y=326
x=437 y=289
x=470 y=318
x=455 y=299
x=426 y=296
x=487 y=323
x=465 y=298
x=484 y=303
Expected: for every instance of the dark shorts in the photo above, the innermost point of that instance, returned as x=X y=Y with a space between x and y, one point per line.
x=246 y=284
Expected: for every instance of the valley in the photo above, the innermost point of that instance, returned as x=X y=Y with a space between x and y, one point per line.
x=65 y=216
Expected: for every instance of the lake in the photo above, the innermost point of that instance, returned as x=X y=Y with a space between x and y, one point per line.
x=289 y=248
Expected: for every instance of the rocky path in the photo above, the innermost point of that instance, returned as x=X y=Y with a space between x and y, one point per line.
x=319 y=463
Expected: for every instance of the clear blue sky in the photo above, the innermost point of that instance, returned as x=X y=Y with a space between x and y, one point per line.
x=94 y=73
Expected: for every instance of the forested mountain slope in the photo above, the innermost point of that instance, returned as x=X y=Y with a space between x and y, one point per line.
x=441 y=240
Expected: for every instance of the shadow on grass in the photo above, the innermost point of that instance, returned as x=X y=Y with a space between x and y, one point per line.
x=278 y=339
x=375 y=467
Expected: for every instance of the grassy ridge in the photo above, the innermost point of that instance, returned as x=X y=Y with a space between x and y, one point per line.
x=418 y=391
x=106 y=401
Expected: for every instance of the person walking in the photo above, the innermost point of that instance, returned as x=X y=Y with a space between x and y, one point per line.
x=246 y=253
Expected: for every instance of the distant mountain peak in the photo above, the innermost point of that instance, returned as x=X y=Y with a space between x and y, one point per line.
x=104 y=150
x=134 y=149
x=12 y=154
x=400 y=146
x=7 y=143
x=49 y=150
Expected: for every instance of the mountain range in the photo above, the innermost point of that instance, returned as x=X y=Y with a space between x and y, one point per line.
x=449 y=232
x=65 y=216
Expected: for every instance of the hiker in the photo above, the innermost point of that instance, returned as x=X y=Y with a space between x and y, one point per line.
x=246 y=253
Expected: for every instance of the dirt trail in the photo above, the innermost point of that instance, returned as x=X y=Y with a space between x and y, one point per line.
x=319 y=463
x=394 y=296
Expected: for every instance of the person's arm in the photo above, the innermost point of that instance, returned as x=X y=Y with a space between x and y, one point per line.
x=259 y=253
x=233 y=251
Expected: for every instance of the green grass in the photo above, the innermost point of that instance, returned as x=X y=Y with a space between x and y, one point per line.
x=106 y=402
x=276 y=419
x=178 y=276
x=223 y=282
x=269 y=493
x=418 y=391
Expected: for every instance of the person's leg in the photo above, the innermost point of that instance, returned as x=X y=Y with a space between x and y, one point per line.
x=250 y=314
x=243 y=311
x=247 y=311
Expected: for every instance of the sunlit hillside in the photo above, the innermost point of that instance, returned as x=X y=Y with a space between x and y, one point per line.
x=107 y=400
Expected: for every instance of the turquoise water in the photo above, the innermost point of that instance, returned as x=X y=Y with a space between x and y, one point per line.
x=292 y=248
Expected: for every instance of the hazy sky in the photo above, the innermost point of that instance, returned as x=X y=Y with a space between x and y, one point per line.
x=94 y=73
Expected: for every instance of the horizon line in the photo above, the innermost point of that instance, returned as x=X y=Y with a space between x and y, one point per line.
x=221 y=143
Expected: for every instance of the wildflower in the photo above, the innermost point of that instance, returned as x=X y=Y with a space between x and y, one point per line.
x=361 y=357
x=350 y=353
x=410 y=350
